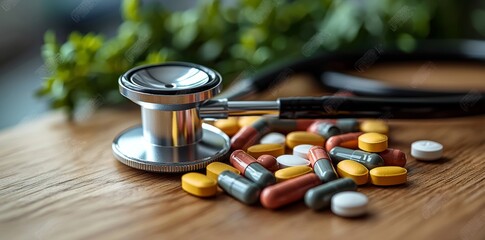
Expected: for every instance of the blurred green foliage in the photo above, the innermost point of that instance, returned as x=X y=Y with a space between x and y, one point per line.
x=230 y=38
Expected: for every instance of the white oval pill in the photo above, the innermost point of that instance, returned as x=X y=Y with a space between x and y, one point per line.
x=302 y=150
x=291 y=160
x=426 y=150
x=349 y=204
x=273 y=138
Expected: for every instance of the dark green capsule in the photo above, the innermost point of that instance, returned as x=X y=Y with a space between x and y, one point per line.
x=259 y=175
x=369 y=160
x=324 y=169
x=239 y=187
x=347 y=125
x=327 y=130
x=320 y=196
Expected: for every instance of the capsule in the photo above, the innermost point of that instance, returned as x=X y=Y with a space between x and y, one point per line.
x=324 y=128
x=269 y=162
x=348 y=140
x=320 y=197
x=251 y=169
x=347 y=125
x=239 y=187
x=393 y=157
x=266 y=149
x=322 y=166
x=301 y=137
x=369 y=160
x=291 y=172
x=289 y=191
x=214 y=169
x=249 y=135
x=373 y=142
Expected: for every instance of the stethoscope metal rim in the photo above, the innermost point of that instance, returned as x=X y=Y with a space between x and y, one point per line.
x=172 y=99
x=131 y=149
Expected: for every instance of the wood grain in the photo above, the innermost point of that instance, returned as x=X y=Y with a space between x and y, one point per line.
x=59 y=180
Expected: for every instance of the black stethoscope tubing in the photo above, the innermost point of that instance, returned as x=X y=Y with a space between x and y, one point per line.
x=372 y=97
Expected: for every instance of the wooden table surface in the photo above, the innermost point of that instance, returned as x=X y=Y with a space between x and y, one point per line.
x=59 y=180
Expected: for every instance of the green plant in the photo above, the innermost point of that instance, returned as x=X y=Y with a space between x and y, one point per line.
x=229 y=38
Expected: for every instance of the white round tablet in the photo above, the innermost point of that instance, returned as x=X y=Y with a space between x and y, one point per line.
x=349 y=204
x=302 y=150
x=273 y=138
x=426 y=150
x=291 y=160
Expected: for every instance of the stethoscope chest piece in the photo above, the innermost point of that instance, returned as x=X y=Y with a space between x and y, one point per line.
x=172 y=137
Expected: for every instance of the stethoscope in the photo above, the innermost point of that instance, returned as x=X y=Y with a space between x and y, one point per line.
x=175 y=97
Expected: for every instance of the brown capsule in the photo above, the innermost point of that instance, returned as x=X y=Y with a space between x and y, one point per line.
x=289 y=191
x=251 y=169
x=393 y=157
x=244 y=138
x=325 y=128
x=241 y=160
x=321 y=164
x=348 y=140
x=249 y=135
x=269 y=162
x=316 y=153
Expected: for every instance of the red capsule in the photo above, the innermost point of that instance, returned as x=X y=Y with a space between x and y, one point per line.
x=321 y=164
x=393 y=157
x=249 y=135
x=316 y=153
x=289 y=191
x=303 y=124
x=241 y=160
x=251 y=169
x=245 y=137
x=269 y=162
x=314 y=126
x=348 y=140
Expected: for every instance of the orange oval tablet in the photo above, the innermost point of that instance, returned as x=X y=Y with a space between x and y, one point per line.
x=353 y=170
x=301 y=137
x=199 y=184
x=228 y=126
x=388 y=175
x=266 y=149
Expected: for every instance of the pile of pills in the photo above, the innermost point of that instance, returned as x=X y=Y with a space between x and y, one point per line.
x=277 y=162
